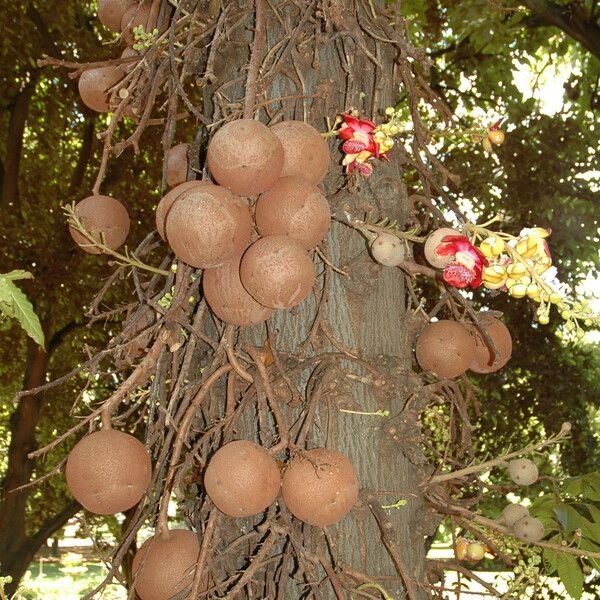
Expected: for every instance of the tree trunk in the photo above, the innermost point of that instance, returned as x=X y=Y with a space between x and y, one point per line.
x=365 y=310
x=17 y=549
x=19 y=109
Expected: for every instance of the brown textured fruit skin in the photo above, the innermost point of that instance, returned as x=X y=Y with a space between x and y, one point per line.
x=296 y=207
x=320 y=487
x=164 y=565
x=133 y=17
x=228 y=299
x=110 y=12
x=208 y=226
x=432 y=242
x=446 y=348
x=108 y=471
x=101 y=215
x=306 y=153
x=277 y=271
x=177 y=164
x=94 y=87
x=513 y=513
x=502 y=339
x=245 y=156
x=164 y=206
x=242 y=479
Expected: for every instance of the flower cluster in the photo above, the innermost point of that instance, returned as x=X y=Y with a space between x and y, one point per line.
x=363 y=141
x=468 y=262
x=514 y=264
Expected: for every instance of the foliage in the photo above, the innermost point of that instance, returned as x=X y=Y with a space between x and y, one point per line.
x=14 y=304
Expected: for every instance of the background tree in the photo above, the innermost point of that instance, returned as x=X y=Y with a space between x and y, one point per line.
x=468 y=47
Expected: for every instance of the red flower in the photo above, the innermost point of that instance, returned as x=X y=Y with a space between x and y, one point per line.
x=467 y=266
x=352 y=125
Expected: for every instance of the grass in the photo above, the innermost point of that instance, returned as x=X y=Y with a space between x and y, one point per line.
x=70 y=579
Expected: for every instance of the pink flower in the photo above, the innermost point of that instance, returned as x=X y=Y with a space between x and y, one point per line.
x=362 y=143
x=467 y=266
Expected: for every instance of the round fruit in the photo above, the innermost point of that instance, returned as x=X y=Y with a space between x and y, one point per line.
x=128 y=66
x=110 y=12
x=432 y=242
x=475 y=551
x=242 y=479
x=388 y=250
x=135 y=16
x=294 y=207
x=108 y=471
x=177 y=164
x=245 y=156
x=523 y=471
x=105 y=218
x=228 y=299
x=500 y=335
x=305 y=151
x=496 y=137
x=513 y=513
x=277 y=271
x=446 y=348
x=95 y=85
x=164 y=206
x=207 y=226
x=320 y=487
x=164 y=566
x=529 y=529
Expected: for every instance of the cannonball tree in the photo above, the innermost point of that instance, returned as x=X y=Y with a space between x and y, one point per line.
x=271 y=356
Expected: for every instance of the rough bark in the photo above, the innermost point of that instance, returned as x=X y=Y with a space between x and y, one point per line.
x=365 y=310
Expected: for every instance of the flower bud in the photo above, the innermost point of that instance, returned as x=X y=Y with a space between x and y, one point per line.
x=496 y=136
x=519 y=290
x=492 y=246
x=487 y=145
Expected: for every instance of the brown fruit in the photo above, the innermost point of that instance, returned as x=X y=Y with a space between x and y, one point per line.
x=500 y=335
x=320 y=487
x=242 y=479
x=164 y=206
x=432 y=242
x=128 y=66
x=228 y=299
x=110 y=12
x=177 y=164
x=108 y=471
x=164 y=565
x=105 y=218
x=95 y=85
x=294 y=207
x=207 y=226
x=305 y=151
x=277 y=271
x=245 y=156
x=529 y=530
x=135 y=16
x=446 y=348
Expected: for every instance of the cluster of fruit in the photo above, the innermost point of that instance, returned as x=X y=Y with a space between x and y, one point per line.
x=515 y=517
x=136 y=22
x=448 y=348
x=109 y=471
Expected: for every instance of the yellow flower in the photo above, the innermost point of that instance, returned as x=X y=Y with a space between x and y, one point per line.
x=528 y=246
x=539 y=232
x=516 y=270
x=533 y=291
x=519 y=290
x=494 y=277
x=492 y=247
x=542 y=264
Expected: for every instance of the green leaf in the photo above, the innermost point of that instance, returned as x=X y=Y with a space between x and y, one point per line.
x=17 y=274
x=570 y=574
x=14 y=303
x=590 y=547
x=551 y=556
